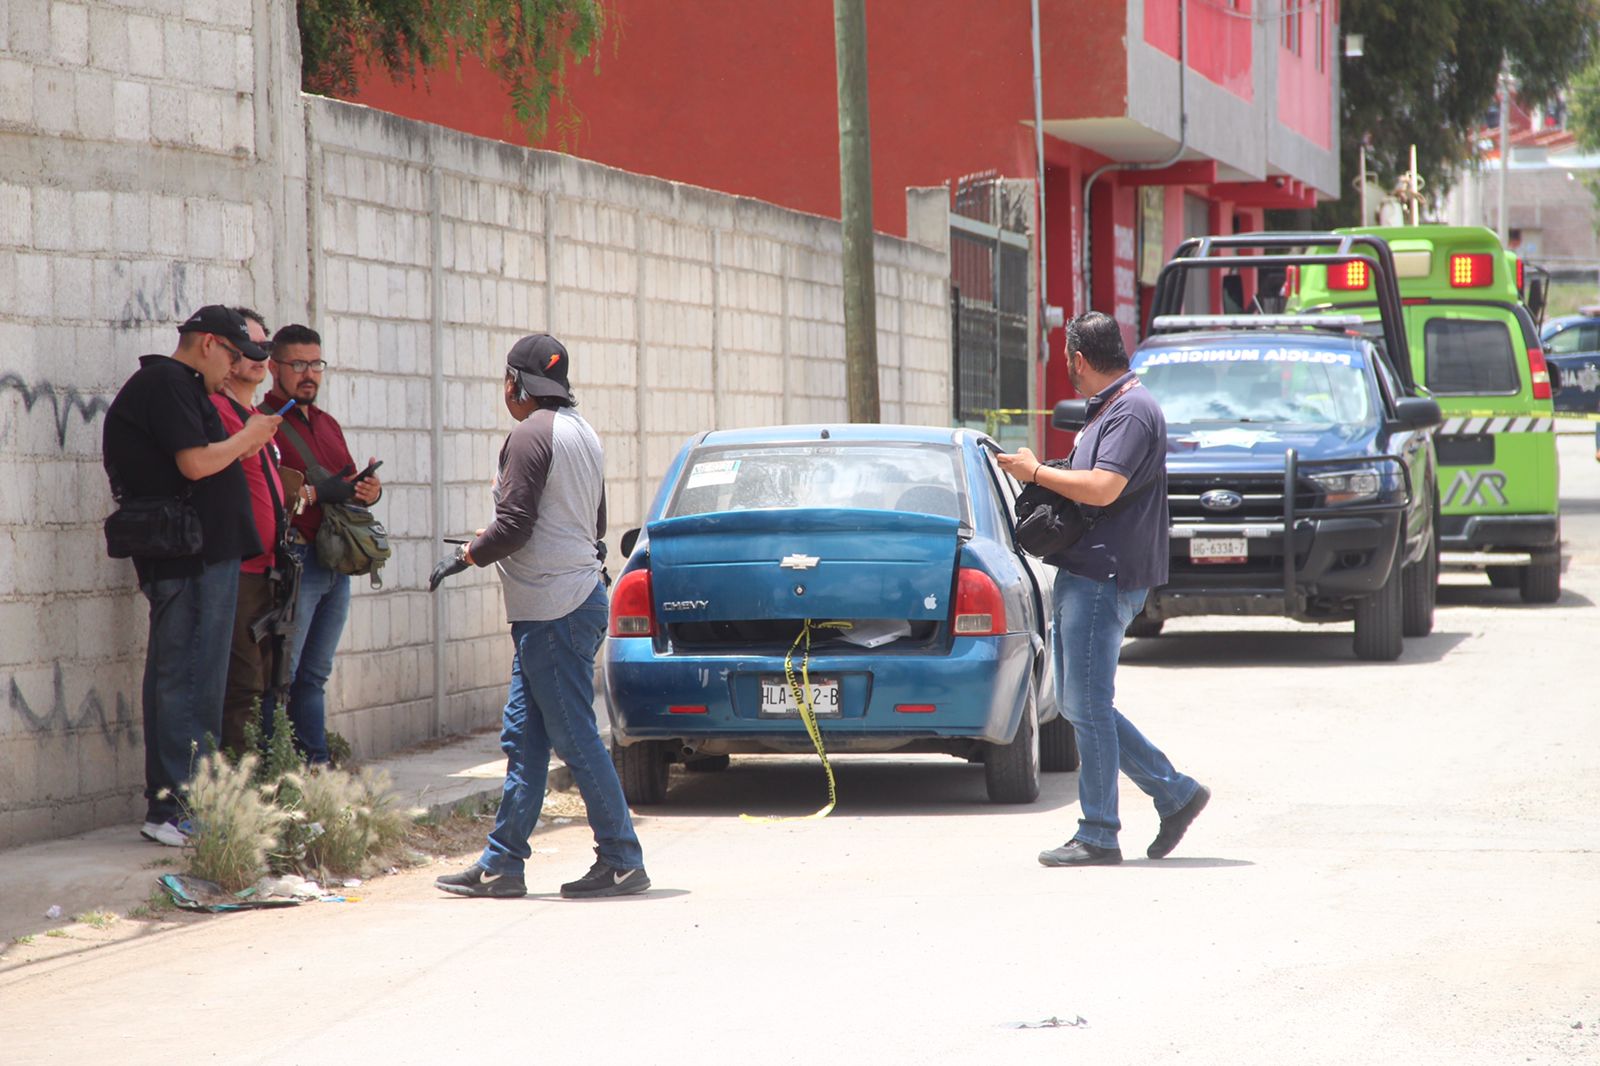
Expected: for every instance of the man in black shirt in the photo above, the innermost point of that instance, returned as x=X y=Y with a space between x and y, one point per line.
x=163 y=438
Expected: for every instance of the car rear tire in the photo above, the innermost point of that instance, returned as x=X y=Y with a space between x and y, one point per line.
x=1058 y=746
x=1011 y=771
x=1541 y=579
x=1505 y=577
x=707 y=764
x=643 y=768
x=1380 y=623
x=1421 y=593
x=1145 y=626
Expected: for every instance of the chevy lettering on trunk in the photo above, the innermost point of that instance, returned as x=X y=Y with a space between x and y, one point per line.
x=685 y=605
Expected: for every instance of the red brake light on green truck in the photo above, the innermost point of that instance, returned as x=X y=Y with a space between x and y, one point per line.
x=1350 y=277
x=1471 y=271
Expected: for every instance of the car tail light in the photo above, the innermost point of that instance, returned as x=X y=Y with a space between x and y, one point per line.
x=1349 y=277
x=1519 y=274
x=980 y=612
x=632 y=614
x=1539 y=374
x=1471 y=271
x=1291 y=281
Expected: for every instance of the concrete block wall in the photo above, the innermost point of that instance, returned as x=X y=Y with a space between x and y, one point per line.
x=156 y=155
x=683 y=309
x=137 y=181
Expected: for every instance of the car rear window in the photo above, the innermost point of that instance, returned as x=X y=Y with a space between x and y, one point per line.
x=1467 y=356
x=874 y=476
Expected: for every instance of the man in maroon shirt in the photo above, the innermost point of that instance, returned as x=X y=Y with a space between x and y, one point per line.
x=324 y=602
x=246 y=661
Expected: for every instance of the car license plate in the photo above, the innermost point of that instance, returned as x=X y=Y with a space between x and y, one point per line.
x=777 y=698
x=1219 y=550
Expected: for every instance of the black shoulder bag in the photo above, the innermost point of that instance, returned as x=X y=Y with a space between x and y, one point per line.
x=151 y=527
x=1047 y=522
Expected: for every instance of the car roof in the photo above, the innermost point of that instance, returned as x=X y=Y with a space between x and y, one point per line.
x=1255 y=338
x=1569 y=320
x=836 y=431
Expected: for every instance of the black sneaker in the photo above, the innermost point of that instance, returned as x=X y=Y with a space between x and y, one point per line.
x=606 y=880
x=476 y=881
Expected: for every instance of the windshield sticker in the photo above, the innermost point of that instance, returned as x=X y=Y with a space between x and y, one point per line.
x=714 y=472
x=1249 y=355
x=1231 y=437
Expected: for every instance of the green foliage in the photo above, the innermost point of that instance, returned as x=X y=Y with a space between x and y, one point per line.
x=1430 y=71
x=354 y=816
x=339 y=750
x=236 y=822
x=1583 y=103
x=527 y=44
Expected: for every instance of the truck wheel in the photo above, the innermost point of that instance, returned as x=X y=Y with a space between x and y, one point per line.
x=1011 y=771
x=1379 y=625
x=1505 y=577
x=1145 y=626
x=1058 y=746
x=1420 y=592
x=1541 y=579
x=643 y=768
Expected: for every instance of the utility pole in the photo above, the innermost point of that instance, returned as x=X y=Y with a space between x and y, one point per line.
x=855 y=211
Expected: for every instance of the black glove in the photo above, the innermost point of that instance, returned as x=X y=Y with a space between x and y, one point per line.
x=453 y=563
x=334 y=489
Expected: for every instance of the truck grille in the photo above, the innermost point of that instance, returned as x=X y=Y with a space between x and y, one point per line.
x=1263 y=497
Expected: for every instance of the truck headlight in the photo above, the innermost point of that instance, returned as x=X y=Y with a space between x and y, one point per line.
x=1356 y=486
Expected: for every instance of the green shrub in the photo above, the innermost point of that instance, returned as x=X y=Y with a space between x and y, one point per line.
x=349 y=818
x=237 y=825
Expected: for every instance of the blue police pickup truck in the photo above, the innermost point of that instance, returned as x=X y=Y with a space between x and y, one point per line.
x=1301 y=469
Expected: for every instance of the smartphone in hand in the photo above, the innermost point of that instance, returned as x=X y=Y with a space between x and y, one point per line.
x=368 y=472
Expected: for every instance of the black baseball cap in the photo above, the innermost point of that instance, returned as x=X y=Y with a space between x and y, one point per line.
x=540 y=362
x=228 y=324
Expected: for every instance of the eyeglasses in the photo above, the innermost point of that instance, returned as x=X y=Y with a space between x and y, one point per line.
x=230 y=349
x=300 y=366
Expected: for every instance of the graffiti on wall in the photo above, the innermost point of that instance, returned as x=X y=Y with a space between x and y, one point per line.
x=115 y=725
x=64 y=402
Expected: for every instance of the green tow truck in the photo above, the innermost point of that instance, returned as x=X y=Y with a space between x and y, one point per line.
x=1475 y=349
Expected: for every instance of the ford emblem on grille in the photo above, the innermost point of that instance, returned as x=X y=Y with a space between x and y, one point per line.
x=1221 y=500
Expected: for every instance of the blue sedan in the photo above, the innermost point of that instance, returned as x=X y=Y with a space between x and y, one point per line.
x=892 y=546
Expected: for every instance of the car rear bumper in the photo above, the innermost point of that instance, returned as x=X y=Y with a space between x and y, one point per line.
x=1487 y=532
x=976 y=689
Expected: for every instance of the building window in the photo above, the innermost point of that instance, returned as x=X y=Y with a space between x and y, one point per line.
x=1291 y=25
x=1320 y=36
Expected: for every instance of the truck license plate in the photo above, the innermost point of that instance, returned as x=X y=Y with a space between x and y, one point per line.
x=777 y=698
x=1218 y=550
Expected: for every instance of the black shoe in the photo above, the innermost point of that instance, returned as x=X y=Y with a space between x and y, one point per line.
x=1079 y=853
x=476 y=881
x=1174 y=825
x=605 y=880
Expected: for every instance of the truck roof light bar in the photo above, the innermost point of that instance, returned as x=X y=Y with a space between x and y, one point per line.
x=1163 y=323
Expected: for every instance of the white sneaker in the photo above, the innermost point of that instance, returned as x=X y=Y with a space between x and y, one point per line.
x=174 y=832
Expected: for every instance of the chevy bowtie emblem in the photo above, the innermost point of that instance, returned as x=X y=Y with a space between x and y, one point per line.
x=799 y=562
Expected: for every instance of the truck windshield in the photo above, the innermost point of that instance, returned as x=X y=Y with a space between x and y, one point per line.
x=886 y=477
x=1282 y=385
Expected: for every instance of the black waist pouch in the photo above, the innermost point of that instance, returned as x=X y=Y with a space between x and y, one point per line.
x=153 y=527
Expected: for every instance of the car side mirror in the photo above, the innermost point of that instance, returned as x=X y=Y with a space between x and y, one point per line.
x=1416 y=412
x=1537 y=292
x=629 y=539
x=1070 y=415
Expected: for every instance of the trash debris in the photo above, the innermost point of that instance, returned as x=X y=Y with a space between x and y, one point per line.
x=352 y=882
x=195 y=894
x=561 y=821
x=1077 y=1021
x=53 y=912
x=1577 y=1025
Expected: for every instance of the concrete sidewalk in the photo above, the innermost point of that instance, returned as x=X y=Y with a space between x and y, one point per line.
x=114 y=869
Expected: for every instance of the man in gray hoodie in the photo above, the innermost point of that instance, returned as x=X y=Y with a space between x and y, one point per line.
x=549 y=516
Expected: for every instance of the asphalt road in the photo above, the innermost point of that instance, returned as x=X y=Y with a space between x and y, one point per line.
x=1401 y=864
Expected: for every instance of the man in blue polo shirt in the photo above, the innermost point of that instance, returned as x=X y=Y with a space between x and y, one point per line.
x=164 y=440
x=1101 y=584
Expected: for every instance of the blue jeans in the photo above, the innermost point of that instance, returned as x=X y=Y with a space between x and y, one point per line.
x=1091 y=617
x=319 y=619
x=185 y=673
x=551 y=705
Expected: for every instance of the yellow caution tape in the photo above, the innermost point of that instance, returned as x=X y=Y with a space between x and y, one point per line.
x=1576 y=416
x=808 y=715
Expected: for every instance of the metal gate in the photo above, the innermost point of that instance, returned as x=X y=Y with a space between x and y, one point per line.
x=989 y=265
